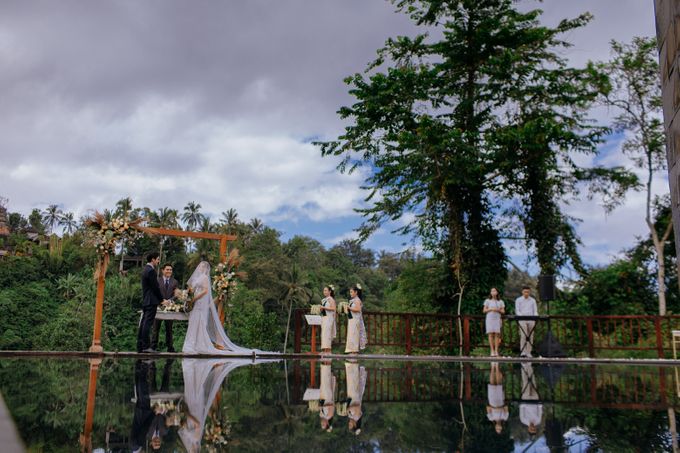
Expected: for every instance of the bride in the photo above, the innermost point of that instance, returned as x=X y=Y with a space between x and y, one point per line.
x=205 y=334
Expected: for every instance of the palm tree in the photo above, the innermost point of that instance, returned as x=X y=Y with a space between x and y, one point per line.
x=68 y=284
x=296 y=290
x=230 y=219
x=51 y=216
x=204 y=245
x=69 y=223
x=165 y=218
x=123 y=207
x=256 y=225
x=192 y=215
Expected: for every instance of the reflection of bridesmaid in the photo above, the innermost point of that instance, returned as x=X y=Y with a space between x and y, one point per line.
x=328 y=329
x=327 y=397
x=356 y=383
x=496 y=410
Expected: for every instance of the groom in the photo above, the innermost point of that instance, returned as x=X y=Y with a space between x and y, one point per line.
x=152 y=296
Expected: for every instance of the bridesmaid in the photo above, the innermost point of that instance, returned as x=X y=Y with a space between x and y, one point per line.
x=328 y=324
x=494 y=308
x=356 y=330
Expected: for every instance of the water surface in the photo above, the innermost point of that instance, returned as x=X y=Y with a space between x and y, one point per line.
x=371 y=406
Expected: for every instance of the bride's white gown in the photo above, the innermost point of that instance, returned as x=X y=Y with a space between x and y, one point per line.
x=205 y=329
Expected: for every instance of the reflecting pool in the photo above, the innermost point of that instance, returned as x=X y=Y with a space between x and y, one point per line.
x=339 y=405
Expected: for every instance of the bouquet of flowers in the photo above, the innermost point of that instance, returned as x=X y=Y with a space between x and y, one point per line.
x=104 y=234
x=343 y=307
x=225 y=279
x=185 y=300
x=315 y=309
x=216 y=433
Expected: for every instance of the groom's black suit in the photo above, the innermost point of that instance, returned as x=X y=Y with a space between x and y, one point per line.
x=168 y=293
x=152 y=296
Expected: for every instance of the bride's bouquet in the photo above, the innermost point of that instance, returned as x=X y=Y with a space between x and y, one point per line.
x=185 y=299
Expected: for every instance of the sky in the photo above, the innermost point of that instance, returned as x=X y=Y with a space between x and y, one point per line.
x=217 y=102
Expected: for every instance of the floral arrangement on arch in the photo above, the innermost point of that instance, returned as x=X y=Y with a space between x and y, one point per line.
x=227 y=276
x=216 y=433
x=105 y=235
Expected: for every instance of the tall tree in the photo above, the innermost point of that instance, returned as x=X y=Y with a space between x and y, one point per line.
x=230 y=219
x=427 y=121
x=192 y=216
x=256 y=225
x=636 y=95
x=51 y=216
x=123 y=207
x=69 y=223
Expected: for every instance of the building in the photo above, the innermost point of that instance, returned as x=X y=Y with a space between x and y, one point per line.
x=668 y=38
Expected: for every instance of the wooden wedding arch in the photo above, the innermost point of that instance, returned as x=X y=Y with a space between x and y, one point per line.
x=101 y=277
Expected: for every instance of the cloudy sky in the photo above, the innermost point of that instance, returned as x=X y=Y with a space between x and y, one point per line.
x=216 y=102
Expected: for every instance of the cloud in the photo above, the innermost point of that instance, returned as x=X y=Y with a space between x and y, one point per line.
x=173 y=101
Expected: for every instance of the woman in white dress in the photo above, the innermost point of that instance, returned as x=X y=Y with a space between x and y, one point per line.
x=356 y=383
x=327 y=397
x=328 y=324
x=496 y=411
x=205 y=334
x=494 y=308
x=356 y=330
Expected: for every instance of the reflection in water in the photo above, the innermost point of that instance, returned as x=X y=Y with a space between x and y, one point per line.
x=496 y=410
x=327 y=397
x=530 y=409
x=409 y=406
x=356 y=383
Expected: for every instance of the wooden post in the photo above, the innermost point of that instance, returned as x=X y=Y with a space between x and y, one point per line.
x=408 y=334
x=466 y=335
x=223 y=249
x=298 y=332
x=86 y=436
x=314 y=339
x=98 y=315
x=591 y=342
x=312 y=374
x=659 y=337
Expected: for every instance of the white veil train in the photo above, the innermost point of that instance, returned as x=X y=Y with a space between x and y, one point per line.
x=205 y=329
x=202 y=380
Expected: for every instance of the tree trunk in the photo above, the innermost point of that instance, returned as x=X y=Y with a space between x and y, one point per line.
x=659 y=244
x=285 y=341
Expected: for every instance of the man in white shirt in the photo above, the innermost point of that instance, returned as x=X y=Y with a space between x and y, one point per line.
x=525 y=305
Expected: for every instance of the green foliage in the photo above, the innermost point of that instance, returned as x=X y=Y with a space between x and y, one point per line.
x=458 y=126
x=620 y=288
x=25 y=308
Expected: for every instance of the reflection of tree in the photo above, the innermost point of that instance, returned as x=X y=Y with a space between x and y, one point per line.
x=47 y=399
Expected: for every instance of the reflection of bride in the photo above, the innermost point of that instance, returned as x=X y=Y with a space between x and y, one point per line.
x=202 y=380
x=205 y=334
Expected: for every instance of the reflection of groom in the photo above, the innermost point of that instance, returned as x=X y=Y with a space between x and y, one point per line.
x=152 y=296
x=168 y=285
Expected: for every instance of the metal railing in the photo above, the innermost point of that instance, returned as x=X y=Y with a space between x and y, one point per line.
x=449 y=334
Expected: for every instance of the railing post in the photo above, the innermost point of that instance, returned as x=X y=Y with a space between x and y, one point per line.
x=659 y=337
x=466 y=335
x=408 y=334
x=298 y=332
x=591 y=342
